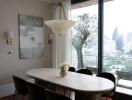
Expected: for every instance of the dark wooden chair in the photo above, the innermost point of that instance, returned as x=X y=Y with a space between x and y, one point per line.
x=36 y=92
x=111 y=77
x=72 y=69
x=85 y=71
x=20 y=87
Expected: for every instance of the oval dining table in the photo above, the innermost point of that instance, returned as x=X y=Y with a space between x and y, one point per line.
x=86 y=87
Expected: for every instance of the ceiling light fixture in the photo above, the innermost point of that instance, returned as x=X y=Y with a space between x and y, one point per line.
x=60 y=26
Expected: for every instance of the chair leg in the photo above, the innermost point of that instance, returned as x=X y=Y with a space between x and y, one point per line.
x=22 y=97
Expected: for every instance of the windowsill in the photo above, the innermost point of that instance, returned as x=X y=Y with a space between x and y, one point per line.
x=125 y=83
x=124 y=86
x=124 y=90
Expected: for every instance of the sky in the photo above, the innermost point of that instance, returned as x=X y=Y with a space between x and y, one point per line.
x=117 y=14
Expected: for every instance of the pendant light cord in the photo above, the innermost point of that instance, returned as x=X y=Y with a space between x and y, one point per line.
x=61 y=9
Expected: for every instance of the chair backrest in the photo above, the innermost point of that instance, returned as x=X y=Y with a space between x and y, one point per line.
x=20 y=85
x=36 y=92
x=85 y=71
x=109 y=76
x=72 y=69
x=55 y=96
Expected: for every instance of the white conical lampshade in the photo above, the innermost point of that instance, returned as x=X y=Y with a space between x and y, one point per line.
x=60 y=26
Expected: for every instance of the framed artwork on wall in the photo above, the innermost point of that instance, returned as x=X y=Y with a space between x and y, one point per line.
x=31 y=36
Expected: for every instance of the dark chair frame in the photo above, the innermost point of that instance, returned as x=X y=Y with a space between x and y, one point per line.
x=20 y=87
x=85 y=71
x=72 y=69
x=111 y=77
x=36 y=92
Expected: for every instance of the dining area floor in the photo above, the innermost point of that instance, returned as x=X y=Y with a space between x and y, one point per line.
x=27 y=98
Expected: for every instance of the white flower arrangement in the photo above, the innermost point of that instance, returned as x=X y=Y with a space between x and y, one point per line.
x=64 y=67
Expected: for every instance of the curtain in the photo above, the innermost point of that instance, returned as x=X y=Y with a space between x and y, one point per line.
x=61 y=47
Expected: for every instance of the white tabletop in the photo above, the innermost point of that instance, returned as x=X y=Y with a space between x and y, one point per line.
x=73 y=81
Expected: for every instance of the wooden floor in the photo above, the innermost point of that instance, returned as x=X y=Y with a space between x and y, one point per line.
x=12 y=98
x=59 y=90
x=26 y=98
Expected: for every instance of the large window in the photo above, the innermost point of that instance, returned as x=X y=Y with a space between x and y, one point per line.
x=118 y=36
x=117 y=39
x=85 y=38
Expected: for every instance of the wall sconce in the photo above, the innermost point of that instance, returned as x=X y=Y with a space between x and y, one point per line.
x=50 y=38
x=9 y=37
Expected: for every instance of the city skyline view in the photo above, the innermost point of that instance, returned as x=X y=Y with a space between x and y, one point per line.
x=117 y=34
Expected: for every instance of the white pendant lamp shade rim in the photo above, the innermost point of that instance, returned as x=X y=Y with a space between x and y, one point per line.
x=60 y=26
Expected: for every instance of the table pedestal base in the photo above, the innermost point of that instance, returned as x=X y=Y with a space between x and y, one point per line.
x=86 y=96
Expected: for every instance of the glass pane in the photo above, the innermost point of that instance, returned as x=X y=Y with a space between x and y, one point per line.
x=85 y=36
x=118 y=39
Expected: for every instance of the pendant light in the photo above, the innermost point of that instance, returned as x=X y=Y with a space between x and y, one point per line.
x=60 y=26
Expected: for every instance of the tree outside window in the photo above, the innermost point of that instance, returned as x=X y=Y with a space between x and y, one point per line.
x=84 y=36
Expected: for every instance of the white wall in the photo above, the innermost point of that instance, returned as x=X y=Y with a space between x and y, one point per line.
x=10 y=64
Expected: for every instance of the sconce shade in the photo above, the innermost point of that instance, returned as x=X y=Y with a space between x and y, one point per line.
x=10 y=38
x=60 y=26
x=10 y=35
